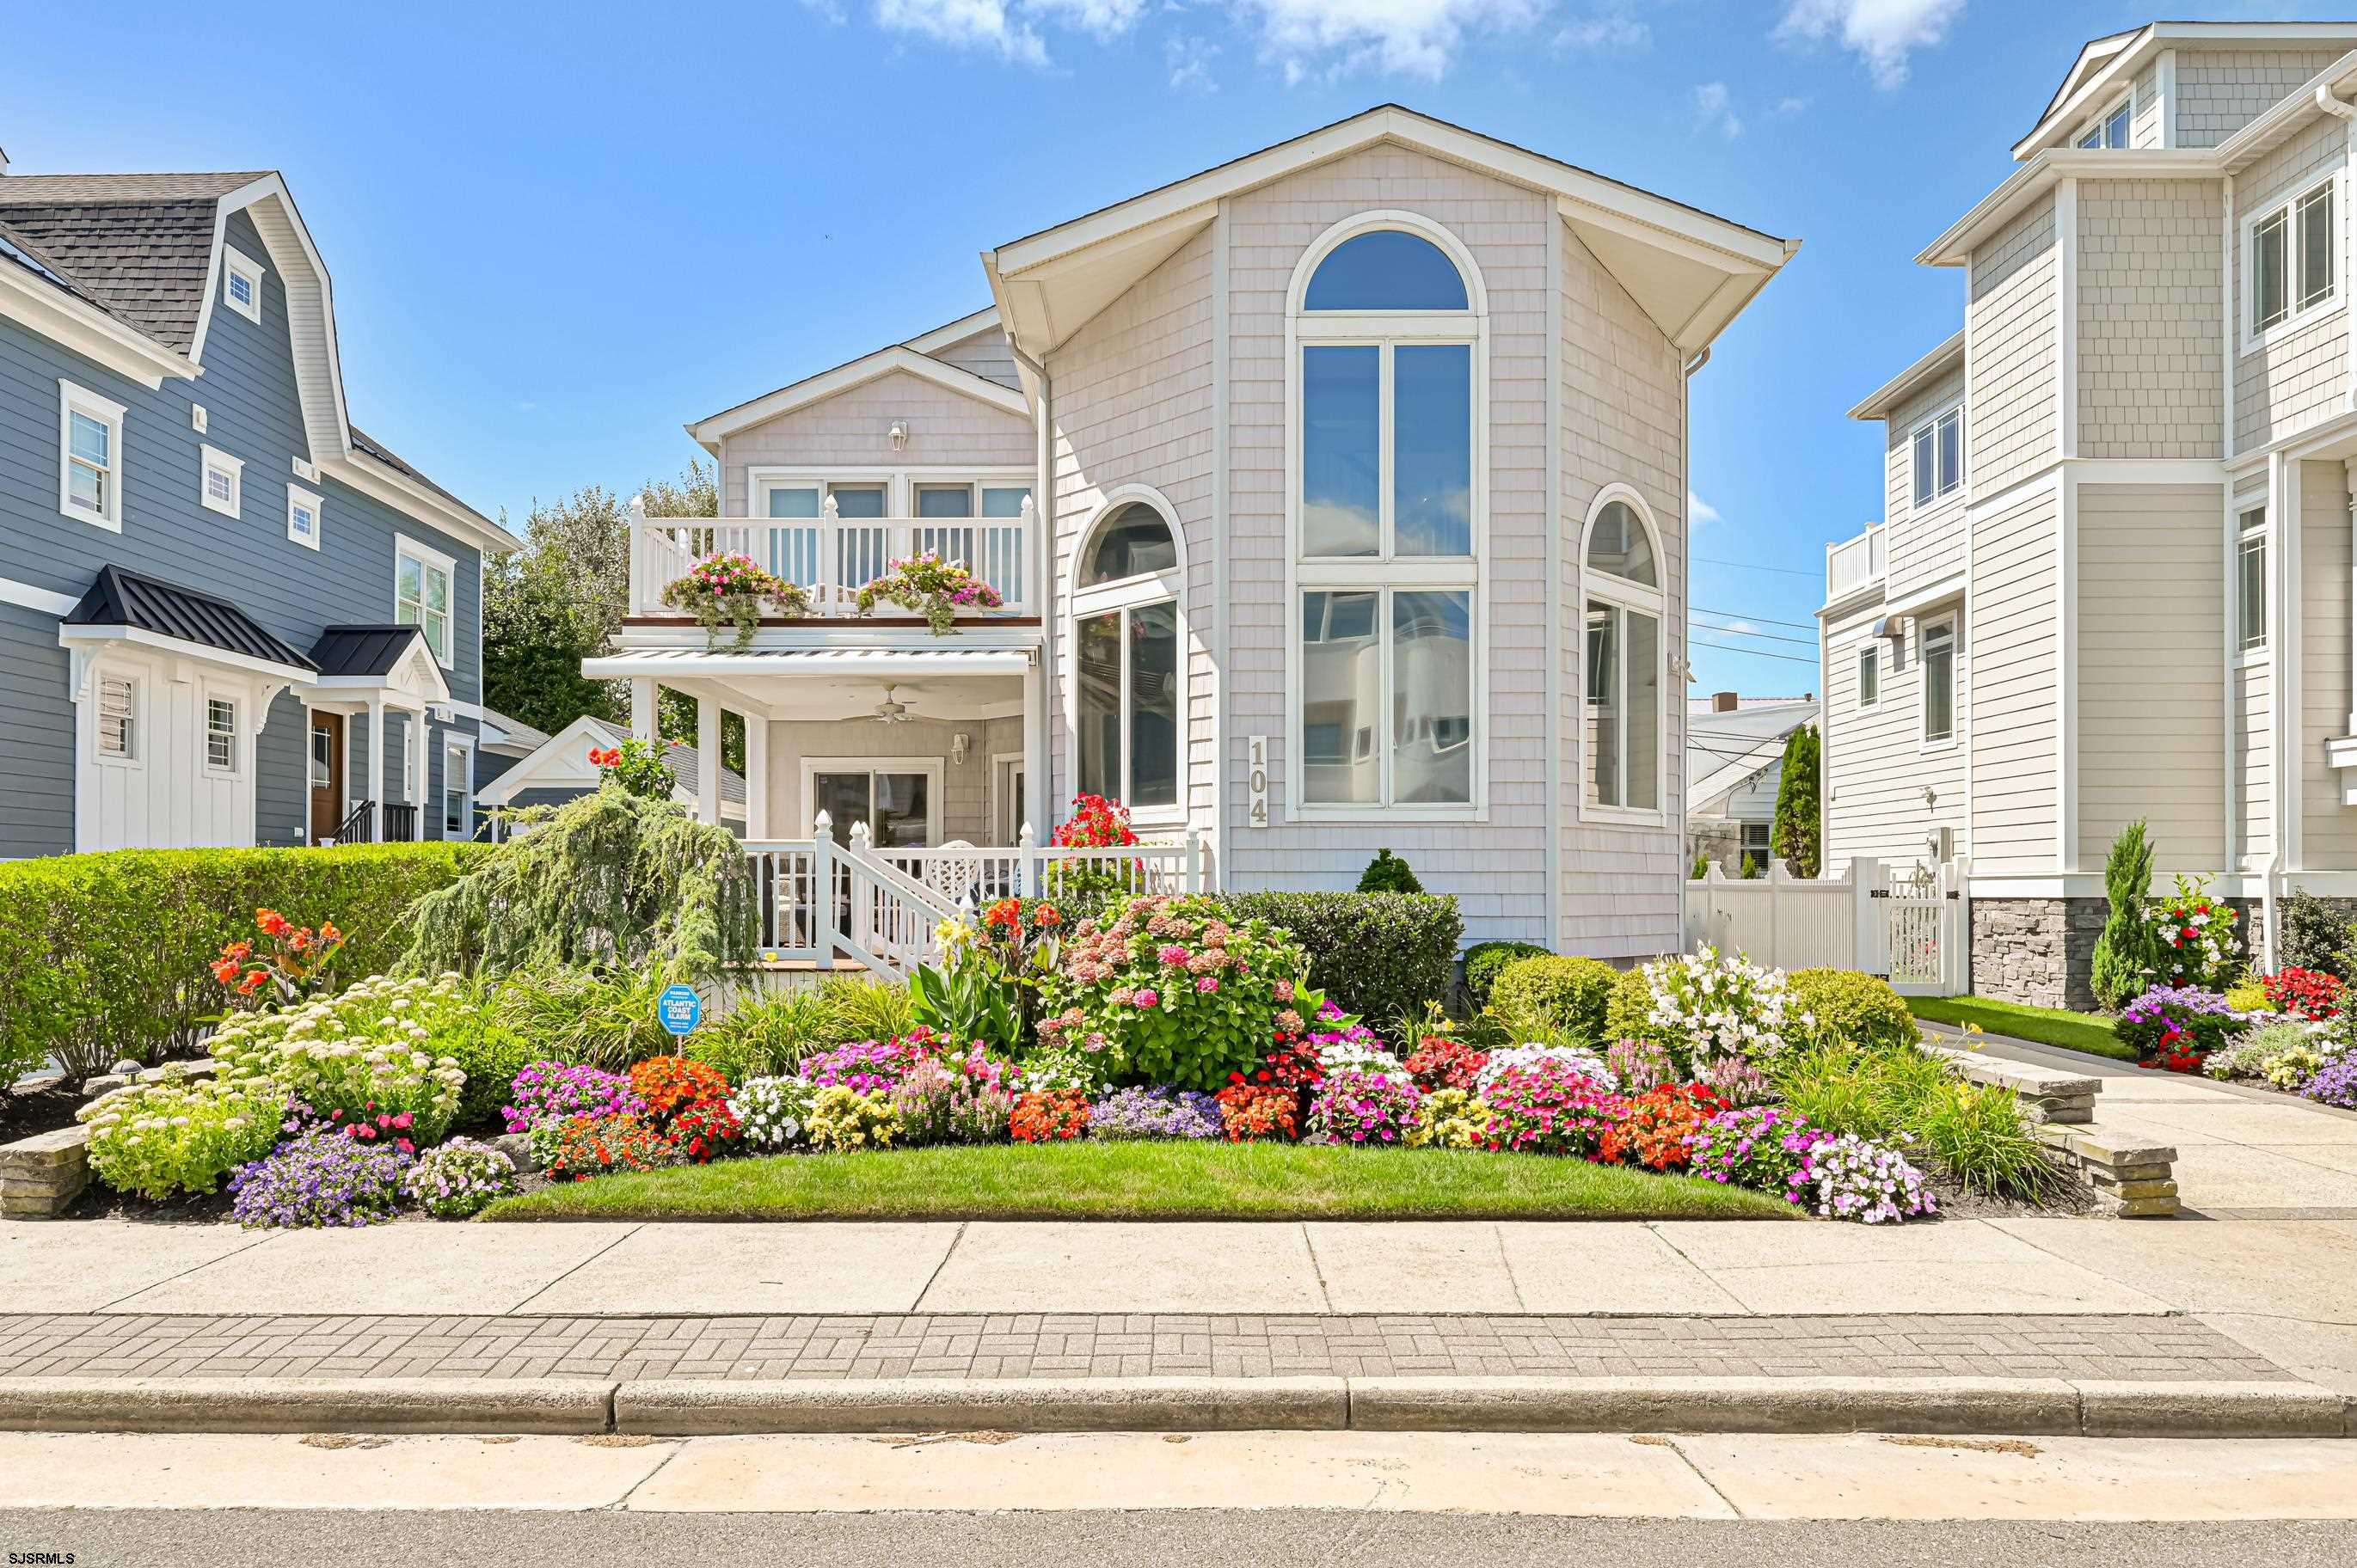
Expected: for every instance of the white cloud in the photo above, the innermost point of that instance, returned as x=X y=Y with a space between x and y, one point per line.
x=998 y=27
x=827 y=11
x=1792 y=105
x=1699 y=511
x=1881 y=32
x=1405 y=38
x=1714 y=110
x=1189 y=60
x=1608 y=24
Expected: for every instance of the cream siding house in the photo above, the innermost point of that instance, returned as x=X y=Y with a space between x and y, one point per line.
x=1337 y=497
x=2147 y=560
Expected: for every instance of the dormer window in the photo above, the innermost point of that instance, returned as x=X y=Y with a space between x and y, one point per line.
x=241 y=283
x=2108 y=130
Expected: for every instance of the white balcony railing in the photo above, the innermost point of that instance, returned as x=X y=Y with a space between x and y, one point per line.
x=832 y=557
x=1855 y=562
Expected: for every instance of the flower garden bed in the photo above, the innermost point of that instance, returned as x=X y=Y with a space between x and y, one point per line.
x=1091 y=1180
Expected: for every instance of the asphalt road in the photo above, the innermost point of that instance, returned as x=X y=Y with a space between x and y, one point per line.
x=237 y=1538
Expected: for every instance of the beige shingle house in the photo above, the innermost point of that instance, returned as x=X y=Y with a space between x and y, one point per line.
x=1336 y=496
x=2114 y=577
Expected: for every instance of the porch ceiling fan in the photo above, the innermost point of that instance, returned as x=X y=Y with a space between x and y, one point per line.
x=891 y=712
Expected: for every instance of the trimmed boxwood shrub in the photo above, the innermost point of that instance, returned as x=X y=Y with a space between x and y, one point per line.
x=1569 y=992
x=103 y=956
x=1484 y=962
x=1846 y=1008
x=1629 y=1011
x=1381 y=955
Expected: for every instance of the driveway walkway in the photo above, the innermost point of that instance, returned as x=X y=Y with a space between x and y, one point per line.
x=2241 y=1152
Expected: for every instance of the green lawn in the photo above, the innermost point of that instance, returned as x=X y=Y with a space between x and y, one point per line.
x=1145 y=1181
x=2047 y=1025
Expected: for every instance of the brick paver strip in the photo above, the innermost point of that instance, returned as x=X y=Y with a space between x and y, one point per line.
x=1119 y=1344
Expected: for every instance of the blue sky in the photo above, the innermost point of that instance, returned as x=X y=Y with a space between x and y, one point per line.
x=554 y=241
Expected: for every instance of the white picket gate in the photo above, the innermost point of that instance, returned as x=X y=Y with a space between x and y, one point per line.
x=1913 y=928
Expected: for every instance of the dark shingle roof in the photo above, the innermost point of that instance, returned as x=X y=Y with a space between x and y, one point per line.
x=21 y=250
x=364 y=442
x=121 y=597
x=362 y=649
x=141 y=244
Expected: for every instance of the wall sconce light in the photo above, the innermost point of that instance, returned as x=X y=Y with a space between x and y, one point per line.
x=958 y=748
x=900 y=434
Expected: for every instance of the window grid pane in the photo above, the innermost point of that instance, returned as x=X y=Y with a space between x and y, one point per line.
x=1341 y=451
x=220 y=732
x=1432 y=698
x=1926 y=480
x=2267 y=259
x=116 y=718
x=1939 y=683
x=2316 y=247
x=1152 y=697
x=2251 y=587
x=1432 y=449
x=1869 y=679
x=1952 y=451
x=1341 y=679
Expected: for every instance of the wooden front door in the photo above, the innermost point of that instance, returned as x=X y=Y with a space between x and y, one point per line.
x=326 y=763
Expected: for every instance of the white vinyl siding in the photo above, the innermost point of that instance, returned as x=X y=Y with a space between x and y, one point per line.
x=1875 y=771
x=2151 y=710
x=2012 y=675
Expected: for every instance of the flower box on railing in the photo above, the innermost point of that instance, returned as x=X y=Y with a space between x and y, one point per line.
x=831 y=559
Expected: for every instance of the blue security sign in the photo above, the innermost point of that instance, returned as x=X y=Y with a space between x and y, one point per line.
x=680 y=1009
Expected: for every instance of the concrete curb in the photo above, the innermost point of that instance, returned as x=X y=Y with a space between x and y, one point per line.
x=562 y=1406
x=2027 y=1407
x=705 y=1407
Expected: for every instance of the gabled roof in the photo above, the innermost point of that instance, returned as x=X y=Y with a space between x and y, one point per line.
x=138 y=258
x=711 y=429
x=132 y=601
x=363 y=650
x=2107 y=66
x=1725 y=749
x=511 y=737
x=1887 y=397
x=1692 y=273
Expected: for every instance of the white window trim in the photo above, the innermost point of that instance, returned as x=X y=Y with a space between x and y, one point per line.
x=2250 y=655
x=213 y=457
x=1126 y=594
x=1383 y=571
x=1863 y=652
x=2096 y=123
x=297 y=496
x=899 y=484
x=237 y=264
x=73 y=400
x=2254 y=338
x=137 y=755
x=428 y=556
x=1924 y=743
x=932 y=768
x=208 y=696
x=1931 y=422
x=455 y=744
x=1626 y=594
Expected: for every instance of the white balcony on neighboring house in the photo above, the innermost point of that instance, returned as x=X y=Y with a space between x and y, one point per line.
x=1853 y=565
x=832 y=557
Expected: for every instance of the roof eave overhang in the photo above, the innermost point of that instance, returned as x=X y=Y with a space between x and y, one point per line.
x=710 y=430
x=2286 y=116
x=2071 y=99
x=1148 y=229
x=1912 y=380
x=385 y=483
x=953 y=332
x=70 y=635
x=88 y=331
x=2078 y=94
x=2041 y=173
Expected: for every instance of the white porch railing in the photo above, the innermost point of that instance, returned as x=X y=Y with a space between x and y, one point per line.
x=823 y=901
x=1854 y=563
x=831 y=556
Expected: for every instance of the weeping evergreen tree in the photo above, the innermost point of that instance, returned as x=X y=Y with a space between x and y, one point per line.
x=2127 y=955
x=613 y=880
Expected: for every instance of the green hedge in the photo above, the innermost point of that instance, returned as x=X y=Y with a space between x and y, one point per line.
x=1381 y=955
x=1567 y=992
x=1846 y=1008
x=1484 y=962
x=103 y=956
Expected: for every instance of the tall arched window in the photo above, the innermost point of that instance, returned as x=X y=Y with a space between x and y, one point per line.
x=1129 y=703
x=1388 y=335
x=1627 y=658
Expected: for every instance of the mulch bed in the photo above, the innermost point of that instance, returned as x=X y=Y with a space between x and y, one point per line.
x=44 y=1110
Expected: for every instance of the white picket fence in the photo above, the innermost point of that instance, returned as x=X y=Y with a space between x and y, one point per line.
x=1914 y=928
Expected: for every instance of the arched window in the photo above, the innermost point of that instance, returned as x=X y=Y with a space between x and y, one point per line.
x=1388 y=331
x=1627 y=660
x=1129 y=660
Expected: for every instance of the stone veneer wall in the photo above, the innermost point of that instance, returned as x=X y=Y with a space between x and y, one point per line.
x=2038 y=950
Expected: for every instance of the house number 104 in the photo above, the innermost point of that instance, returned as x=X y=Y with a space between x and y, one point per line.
x=1256 y=776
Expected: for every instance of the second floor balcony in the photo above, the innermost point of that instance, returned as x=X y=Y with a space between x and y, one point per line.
x=832 y=557
x=1855 y=564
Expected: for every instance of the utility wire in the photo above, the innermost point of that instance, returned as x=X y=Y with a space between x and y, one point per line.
x=1747 y=631
x=1755 y=566
x=1755 y=652
x=1740 y=615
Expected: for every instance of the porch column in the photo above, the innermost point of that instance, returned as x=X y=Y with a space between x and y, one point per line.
x=707 y=760
x=757 y=777
x=375 y=794
x=643 y=707
x=1035 y=752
